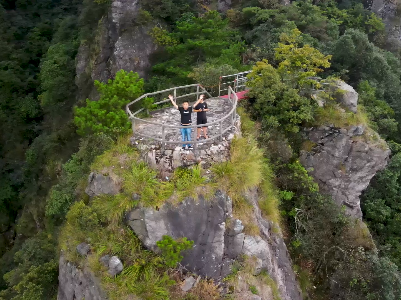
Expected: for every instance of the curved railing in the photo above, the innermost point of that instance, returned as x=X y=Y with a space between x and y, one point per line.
x=230 y=117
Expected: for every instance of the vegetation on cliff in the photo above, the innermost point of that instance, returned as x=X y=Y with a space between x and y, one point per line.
x=40 y=180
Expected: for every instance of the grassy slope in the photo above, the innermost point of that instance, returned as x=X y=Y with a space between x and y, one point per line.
x=99 y=221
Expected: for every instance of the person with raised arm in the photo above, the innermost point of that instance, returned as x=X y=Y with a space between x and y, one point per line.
x=186 y=120
x=201 y=119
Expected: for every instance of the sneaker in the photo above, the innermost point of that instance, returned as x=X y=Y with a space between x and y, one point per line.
x=190 y=148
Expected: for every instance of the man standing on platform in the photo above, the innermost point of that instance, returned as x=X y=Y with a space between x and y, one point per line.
x=186 y=120
x=201 y=110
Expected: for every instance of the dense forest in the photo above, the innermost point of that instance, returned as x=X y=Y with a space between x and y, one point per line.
x=50 y=137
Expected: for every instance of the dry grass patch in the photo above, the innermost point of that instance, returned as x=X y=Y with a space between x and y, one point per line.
x=243 y=280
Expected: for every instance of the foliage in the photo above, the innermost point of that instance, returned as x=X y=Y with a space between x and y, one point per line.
x=195 y=41
x=298 y=63
x=63 y=194
x=107 y=115
x=380 y=114
x=36 y=272
x=381 y=208
x=275 y=104
x=170 y=10
x=171 y=249
x=144 y=273
x=208 y=75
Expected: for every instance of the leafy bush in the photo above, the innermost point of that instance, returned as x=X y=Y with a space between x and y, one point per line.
x=107 y=115
x=63 y=194
x=171 y=249
x=195 y=41
x=82 y=217
x=298 y=63
x=208 y=75
x=380 y=205
x=274 y=103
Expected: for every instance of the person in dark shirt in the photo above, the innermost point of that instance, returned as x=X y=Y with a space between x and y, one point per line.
x=186 y=120
x=201 y=110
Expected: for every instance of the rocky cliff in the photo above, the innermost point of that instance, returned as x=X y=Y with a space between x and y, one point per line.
x=343 y=160
x=218 y=239
x=121 y=41
x=77 y=284
x=389 y=10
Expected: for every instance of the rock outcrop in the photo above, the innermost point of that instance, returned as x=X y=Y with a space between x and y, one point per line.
x=346 y=95
x=344 y=160
x=99 y=184
x=388 y=10
x=218 y=239
x=344 y=164
x=122 y=41
x=77 y=284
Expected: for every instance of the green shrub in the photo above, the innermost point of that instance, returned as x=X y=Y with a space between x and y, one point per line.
x=107 y=115
x=63 y=194
x=253 y=289
x=82 y=217
x=275 y=104
x=171 y=249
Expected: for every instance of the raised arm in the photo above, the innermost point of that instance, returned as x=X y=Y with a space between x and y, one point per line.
x=197 y=102
x=172 y=101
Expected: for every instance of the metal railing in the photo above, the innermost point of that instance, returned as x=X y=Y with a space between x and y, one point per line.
x=230 y=117
x=238 y=81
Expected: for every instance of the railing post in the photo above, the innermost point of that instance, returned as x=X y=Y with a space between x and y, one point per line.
x=197 y=93
x=163 y=137
x=133 y=125
x=195 y=145
x=175 y=94
x=219 y=86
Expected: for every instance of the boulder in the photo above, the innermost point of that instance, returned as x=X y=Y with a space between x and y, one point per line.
x=343 y=165
x=77 y=284
x=346 y=95
x=99 y=184
x=105 y=260
x=189 y=282
x=218 y=239
x=83 y=249
x=115 y=266
x=223 y=5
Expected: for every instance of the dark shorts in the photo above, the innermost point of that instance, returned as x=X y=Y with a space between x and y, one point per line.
x=201 y=120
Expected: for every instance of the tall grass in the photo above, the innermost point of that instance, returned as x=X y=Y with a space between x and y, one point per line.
x=99 y=222
x=333 y=114
x=248 y=169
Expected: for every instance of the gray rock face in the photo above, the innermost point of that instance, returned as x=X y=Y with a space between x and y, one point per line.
x=346 y=95
x=387 y=10
x=223 y=5
x=120 y=43
x=344 y=165
x=105 y=260
x=188 y=284
x=76 y=284
x=99 y=184
x=83 y=249
x=115 y=266
x=218 y=239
